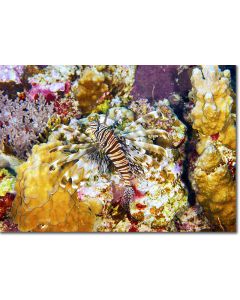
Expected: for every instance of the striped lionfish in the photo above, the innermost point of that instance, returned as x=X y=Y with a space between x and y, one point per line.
x=112 y=149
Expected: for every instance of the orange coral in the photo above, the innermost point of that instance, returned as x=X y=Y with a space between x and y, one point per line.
x=42 y=204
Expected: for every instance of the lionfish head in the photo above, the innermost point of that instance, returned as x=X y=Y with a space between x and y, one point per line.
x=93 y=125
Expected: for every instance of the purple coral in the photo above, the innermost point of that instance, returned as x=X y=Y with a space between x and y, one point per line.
x=22 y=121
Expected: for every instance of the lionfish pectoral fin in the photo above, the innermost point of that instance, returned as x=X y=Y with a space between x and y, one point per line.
x=152 y=148
x=136 y=169
x=70 y=148
x=65 y=167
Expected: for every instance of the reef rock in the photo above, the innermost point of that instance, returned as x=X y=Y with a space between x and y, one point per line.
x=213 y=177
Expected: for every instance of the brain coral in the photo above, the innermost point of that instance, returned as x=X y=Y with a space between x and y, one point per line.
x=213 y=177
x=41 y=204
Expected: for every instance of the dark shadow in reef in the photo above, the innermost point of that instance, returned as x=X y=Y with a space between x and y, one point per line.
x=189 y=148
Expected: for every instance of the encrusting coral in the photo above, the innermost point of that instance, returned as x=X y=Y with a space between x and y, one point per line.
x=213 y=177
x=55 y=193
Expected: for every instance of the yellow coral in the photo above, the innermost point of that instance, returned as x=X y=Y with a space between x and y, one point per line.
x=91 y=88
x=103 y=107
x=98 y=82
x=216 y=190
x=7 y=182
x=213 y=104
x=213 y=119
x=42 y=204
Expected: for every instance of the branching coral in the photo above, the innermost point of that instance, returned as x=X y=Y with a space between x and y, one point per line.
x=46 y=186
x=98 y=83
x=213 y=177
x=21 y=122
x=212 y=114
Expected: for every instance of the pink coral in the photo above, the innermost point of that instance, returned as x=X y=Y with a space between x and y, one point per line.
x=57 y=93
x=37 y=90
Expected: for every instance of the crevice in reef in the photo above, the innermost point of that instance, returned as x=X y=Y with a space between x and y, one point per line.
x=189 y=148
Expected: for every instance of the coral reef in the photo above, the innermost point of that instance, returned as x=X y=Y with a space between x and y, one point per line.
x=21 y=123
x=98 y=83
x=88 y=200
x=213 y=117
x=55 y=175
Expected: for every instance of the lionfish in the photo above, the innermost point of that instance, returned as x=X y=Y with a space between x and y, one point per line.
x=112 y=149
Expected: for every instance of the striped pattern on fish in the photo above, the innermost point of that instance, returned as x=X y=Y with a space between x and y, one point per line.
x=111 y=146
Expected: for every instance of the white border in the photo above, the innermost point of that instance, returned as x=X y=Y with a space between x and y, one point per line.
x=118 y=266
